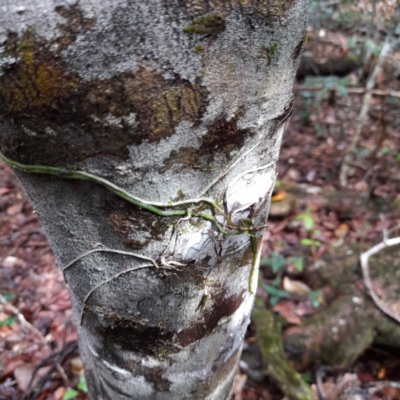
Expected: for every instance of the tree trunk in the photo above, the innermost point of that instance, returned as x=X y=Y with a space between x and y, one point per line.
x=166 y=101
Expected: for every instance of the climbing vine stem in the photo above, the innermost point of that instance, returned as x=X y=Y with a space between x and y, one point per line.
x=154 y=207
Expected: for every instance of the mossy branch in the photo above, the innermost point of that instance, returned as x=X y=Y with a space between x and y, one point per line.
x=268 y=331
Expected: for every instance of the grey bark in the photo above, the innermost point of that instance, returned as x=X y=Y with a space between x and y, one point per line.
x=167 y=99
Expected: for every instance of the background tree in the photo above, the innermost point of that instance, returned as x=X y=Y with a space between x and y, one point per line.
x=170 y=114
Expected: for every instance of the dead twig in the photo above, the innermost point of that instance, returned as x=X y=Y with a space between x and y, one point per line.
x=388 y=44
x=364 y=257
x=348 y=157
x=28 y=326
x=57 y=358
x=320 y=388
x=353 y=90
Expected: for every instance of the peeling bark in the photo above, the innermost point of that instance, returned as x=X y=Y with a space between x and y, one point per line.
x=168 y=100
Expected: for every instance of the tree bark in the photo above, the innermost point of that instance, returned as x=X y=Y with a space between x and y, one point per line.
x=168 y=100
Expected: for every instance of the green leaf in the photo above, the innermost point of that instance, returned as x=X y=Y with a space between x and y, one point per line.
x=70 y=394
x=275 y=294
x=309 y=242
x=8 y=296
x=82 y=384
x=298 y=263
x=342 y=91
x=352 y=41
x=307 y=378
x=307 y=220
x=276 y=281
x=264 y=261
x=275 y=261
x=314 y=298
x=398 y=157
x=8 y=321
x=273 y=300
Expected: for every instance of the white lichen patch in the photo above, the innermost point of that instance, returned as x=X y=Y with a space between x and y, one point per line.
x=50 y=131
x=17 y=15
x=28 y=131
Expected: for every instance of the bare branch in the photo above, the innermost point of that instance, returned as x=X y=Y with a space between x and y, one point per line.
x=364 y=257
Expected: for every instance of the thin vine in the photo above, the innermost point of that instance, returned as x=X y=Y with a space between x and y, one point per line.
x=154 y=207
x=245 y=227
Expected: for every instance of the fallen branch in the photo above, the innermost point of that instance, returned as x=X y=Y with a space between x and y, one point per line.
x=364 y=257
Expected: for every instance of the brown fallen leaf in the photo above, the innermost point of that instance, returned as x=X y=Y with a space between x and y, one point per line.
x=10 y=363
x=286 y=310
x=381 y=373
x=361 y=186
x=59 y=393
x=23 y=374
x=11 y=262
x=391 y=392
x=76 y=364
x=4 y=191
x=341 y=231
x=15 y=209
x=278 y=196
x=295 y=287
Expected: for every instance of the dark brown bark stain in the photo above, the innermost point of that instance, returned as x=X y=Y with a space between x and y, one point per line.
x=126 y=334
x=34 y=77
x=152 y=341
x=75 y=24
x=135 y=227
x=185 y=157
x=154 y=375
x=151 y=375
x=297 y=50
x=41 y=102
x=223 y=307
x=142 y=340
x=285 y=115
x=223 y=136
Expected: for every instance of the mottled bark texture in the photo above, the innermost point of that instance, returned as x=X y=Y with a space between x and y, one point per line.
x=170 y=100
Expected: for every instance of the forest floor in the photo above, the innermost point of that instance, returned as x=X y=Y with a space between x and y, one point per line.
x=39 y=358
